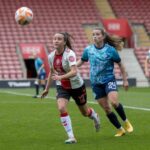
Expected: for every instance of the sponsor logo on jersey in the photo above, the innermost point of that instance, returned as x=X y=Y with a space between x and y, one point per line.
x=58 y=61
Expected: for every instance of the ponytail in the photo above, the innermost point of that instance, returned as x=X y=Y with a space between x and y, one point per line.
x=114 y=41
x=111 y=40
x=67 y=39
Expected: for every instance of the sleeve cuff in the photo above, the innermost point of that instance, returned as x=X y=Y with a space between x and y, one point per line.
x=118 y=61
x=84 y=59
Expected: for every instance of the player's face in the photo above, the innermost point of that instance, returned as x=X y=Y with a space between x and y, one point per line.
x=58 y=41
x=98 y=37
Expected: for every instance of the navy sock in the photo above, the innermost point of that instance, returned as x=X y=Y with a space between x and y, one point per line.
x=37 y=89
x=113 y=119
x=43 y=86
x=121 y=112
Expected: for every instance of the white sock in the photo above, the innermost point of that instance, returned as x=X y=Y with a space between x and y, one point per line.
x=66 y=122
x=121 y=128
x=92 y=113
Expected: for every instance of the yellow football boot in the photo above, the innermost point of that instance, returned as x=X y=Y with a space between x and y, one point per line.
x=120 y=132
x=128 y=127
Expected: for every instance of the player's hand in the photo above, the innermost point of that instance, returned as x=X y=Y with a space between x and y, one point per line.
x=56 y=77
x=45 y=92
x=125 y=85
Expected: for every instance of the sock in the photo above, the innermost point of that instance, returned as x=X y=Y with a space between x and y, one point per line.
x=43 y=86
x=37 y=89
x=92 y=113
x=121 y=112
x=113 y=119
x=66 y=122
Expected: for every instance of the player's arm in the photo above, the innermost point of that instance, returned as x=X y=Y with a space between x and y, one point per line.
x=73 y=72
x=80 y=63
x=84 y=58
x=116 y=58
x=146 y=67
x=42 y=66
x=124 y=75
x=49 y=81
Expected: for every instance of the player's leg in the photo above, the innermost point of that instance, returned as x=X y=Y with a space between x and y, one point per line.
x=90 y=112
x=111 y=116
x=36 y=83
x=40 y=81
x=80 y=97
x=113 y=97
x=101 y=97
x=112 y=92
x=43 y=80
x=43 y=83
x=62 y=101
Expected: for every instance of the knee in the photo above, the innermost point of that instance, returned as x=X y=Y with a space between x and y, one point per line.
x=115 y=104
x=62 y=109
x=114 y=100
x=107 y=109
x=85 y=114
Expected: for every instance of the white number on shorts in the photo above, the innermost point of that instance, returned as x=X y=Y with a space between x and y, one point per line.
x=112 y=85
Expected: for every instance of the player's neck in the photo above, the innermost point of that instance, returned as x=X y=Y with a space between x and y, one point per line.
x=59 y=51
x=99 y=45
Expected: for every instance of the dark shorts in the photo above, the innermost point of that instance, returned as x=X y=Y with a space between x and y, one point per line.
x=79 y=95
x=42 y=76
x=102 y=90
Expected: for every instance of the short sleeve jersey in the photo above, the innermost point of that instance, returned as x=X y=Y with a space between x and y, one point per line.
x=61 y=64
x=101 y=62
x=38 y=63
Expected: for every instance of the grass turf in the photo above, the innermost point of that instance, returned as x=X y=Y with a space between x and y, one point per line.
x=33 y=124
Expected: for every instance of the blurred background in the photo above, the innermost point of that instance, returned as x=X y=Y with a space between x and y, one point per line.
x=129 y=19
x=33 y=124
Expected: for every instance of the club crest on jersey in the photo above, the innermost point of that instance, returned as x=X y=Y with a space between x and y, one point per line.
x=71 y=59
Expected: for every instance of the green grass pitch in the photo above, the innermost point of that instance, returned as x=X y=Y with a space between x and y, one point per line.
x=33 y=124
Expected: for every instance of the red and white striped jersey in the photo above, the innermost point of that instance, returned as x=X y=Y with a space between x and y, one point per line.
x=61 y=65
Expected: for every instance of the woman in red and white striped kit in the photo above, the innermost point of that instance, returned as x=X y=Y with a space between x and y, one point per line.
x=68 y=83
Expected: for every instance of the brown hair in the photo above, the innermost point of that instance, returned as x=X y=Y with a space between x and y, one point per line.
x=67 y=39
x=111 y=39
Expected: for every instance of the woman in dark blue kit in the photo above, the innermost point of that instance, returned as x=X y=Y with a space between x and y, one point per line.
x=102 y=55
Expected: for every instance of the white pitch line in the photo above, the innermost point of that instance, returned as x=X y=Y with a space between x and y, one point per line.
x=138 y=108
x=129 y=107
x=51 y=97
x=22 y=94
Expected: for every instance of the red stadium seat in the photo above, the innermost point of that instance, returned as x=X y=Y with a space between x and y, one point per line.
x=54 y=16
x=131 y=10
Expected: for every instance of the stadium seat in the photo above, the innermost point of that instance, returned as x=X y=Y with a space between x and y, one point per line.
x=130 y=10
x=54 y=16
